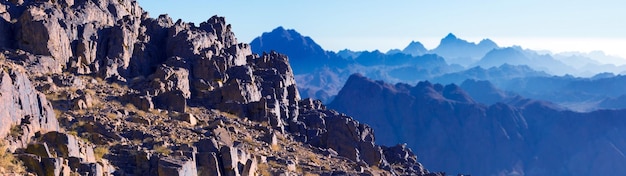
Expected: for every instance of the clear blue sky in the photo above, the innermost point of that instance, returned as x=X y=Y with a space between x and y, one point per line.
x=558 y=25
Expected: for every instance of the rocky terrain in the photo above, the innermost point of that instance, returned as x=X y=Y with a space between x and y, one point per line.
x=514 y=137
x=99 y=88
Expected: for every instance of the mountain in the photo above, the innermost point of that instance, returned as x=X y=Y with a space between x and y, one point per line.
x=518 y=56
x=320 y=74
x=462 y=52
x=484 y=92
x=497 y=75
x=453 y=132
x=580 y=94
x=415 y=49
x=348 y=54
x=305 y=55
x=101 y=88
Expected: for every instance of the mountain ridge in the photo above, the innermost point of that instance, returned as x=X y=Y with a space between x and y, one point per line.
x=521 y=137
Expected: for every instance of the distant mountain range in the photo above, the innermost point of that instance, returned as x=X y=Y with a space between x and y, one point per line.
x=535 y=74
x=451 y=131
x=459 y=51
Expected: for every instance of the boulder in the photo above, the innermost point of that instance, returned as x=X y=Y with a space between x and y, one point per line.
x=39 y=32
x=91 y=169
x=172 y=100
x=249 y=168
x=229 y=159
x=189 y=118
x=32 y=162
x=208 y=164
x=85 y=101
x=181 y=166
x=55 y=166
x=223 y=136
x=172 y=78
x=142 y=102
x=69 y=146
x=39 y=149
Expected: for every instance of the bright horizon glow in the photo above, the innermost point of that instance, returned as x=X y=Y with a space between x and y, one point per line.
x=557 y=26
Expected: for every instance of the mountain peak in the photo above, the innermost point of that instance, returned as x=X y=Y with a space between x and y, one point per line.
x=450 y=36
x=488 y=43
x=278 y=29
x=415 y=48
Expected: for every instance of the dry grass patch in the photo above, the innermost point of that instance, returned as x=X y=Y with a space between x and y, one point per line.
x=162 y=150
x=276 y=147
x=314 y=158
x=229 y=115
x=100 y=151
x=16 y=131
x=111 y=115
x=9 y=165
x=263 y=169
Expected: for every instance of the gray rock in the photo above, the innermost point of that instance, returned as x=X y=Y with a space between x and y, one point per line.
x=189 y=118
x=39 y=149
x=39 y=32
x=271 y=139
x=21 y=105
x=172 y=100
x=85 y=101
x=169 y=166
x=142 y=102
x=223 y=136
x=249 y=168
x=69 y=146
x=91 y=169
x=32 y=162
x=208 y=164
x=207 y=145
x=230 y=160
x=55 y=166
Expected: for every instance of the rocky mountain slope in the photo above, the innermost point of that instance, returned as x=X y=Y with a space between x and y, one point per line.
x=522 y=137
x=100 y=88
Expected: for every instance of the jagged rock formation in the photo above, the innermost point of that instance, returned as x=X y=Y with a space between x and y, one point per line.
x=521 y=137
x=24 y=111
x=136 y=95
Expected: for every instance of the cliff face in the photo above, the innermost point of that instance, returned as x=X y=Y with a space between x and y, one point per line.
x=179 y=99
x=23 y=110
x=452 y=132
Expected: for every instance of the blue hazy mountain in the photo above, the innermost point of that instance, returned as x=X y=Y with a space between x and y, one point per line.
x=576 y=93
x=486 y=93
x=305 y=55
x=497 y=75
x=459 y=51
x=415 y=48
x=518 y=56
x=451 y=131
x=348 y=54
x=320 y=73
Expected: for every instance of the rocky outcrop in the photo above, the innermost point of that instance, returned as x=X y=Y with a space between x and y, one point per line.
x=162 y=98
x=24 y=111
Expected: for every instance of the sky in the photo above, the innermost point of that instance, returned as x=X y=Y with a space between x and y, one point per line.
x=556 y=25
